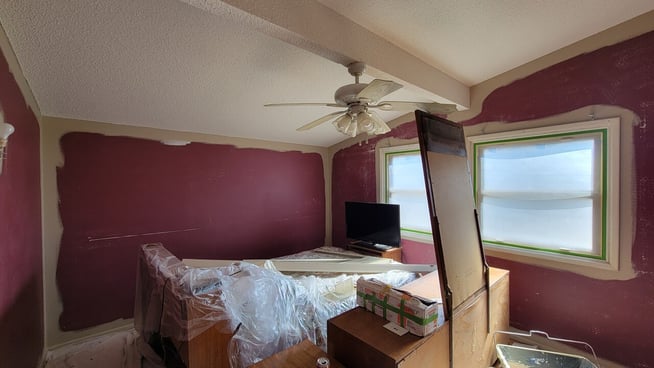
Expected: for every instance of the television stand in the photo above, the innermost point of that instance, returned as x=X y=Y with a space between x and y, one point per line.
x=370 y=250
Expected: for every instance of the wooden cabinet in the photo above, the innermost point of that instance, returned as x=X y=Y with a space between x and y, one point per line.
x=357 y=338
x=393 y=253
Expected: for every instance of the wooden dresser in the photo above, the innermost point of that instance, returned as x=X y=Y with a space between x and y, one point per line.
x=357 y=338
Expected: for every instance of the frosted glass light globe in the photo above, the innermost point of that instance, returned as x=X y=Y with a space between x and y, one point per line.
x=6 y=130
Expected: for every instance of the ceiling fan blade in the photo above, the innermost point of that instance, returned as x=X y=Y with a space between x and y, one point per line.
x=304 y=104
x=377 y=89
x=319 y=121
x=431 y=107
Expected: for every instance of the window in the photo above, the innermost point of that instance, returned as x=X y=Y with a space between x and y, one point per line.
x=550 y=192
x=402 y=182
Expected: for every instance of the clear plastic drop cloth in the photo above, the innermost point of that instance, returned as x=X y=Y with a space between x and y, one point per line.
x=275 y=311
x=266 y=311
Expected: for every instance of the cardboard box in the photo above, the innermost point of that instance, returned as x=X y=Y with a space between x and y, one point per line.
x=358 y=339
x=420 y=317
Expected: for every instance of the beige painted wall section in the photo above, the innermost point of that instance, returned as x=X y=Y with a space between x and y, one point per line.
x=52 y=129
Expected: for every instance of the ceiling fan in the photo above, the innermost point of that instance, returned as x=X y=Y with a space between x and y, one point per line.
x=359 y=99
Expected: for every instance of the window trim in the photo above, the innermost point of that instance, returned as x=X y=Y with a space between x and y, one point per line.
x=610 y=196
x=383 y=154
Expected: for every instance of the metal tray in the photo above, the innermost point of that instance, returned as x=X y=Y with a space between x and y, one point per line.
x=520 y=357
x=512 y=356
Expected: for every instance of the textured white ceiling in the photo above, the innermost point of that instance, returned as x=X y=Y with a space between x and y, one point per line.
x=209 y=68
x=474 y=40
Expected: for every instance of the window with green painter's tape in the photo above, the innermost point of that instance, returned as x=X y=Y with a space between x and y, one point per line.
x=402 y=182
x=550 y=192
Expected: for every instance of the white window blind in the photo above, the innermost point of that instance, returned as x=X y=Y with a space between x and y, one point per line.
x=402 y=182
x=547 y=190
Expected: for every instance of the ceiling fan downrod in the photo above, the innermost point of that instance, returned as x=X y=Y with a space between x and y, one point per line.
x=356 y=69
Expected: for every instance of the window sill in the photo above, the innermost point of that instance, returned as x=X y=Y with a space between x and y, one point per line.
x=418 y=237
x=585 y=267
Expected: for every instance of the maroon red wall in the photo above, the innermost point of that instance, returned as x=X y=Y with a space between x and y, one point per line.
x=21 y=286
x=200 y=201
x=615 y=317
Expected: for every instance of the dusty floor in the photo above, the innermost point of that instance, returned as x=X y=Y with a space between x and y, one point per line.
x=113 y=350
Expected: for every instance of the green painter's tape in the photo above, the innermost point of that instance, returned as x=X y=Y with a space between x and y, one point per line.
x=400 y=311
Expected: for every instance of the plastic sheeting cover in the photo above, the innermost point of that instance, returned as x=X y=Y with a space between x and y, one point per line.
x=267 y=310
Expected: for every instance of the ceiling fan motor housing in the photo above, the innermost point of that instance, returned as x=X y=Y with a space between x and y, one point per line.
x=347 y=94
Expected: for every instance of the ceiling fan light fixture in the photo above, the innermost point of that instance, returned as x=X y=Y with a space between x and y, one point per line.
x=372 y=124
x=366 y=122
x=382 y=128
x=363 y=121
x=353 y=128
x=346 y=125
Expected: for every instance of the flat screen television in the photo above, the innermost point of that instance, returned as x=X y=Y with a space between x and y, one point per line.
x=371 y=224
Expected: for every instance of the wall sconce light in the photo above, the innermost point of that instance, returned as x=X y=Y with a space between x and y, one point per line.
x=5 y=132
x=174 y=142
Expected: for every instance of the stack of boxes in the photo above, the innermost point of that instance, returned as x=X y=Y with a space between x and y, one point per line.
x=419 y=316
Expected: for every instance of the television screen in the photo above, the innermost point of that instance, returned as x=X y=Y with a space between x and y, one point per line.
x=373 y=223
